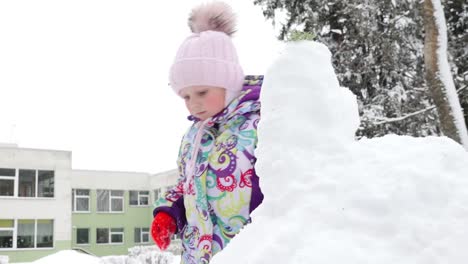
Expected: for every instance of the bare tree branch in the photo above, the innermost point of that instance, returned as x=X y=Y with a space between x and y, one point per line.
x=396 y=119
x=381 y=121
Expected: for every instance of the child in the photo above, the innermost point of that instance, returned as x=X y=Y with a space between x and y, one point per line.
x=217 y=188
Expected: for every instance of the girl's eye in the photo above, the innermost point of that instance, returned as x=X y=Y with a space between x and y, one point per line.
x=186 y=97
x=202 y=93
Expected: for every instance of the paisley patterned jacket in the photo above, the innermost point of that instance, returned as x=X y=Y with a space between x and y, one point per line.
x=217 y=188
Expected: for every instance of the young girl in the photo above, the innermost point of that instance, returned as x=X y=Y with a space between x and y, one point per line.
x=217 y=188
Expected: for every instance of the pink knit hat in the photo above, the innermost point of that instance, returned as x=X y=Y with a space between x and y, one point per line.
x=208 y=56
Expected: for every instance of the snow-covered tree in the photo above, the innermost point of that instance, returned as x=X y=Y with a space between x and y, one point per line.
x=456 y=12
x=438 y=74
x=377 y=49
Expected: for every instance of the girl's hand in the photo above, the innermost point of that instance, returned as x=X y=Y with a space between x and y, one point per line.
x=162 y=228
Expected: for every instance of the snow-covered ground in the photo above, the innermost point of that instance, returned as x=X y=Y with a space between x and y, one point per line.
x=137 y=255
x=330 y=199
x=144 y=255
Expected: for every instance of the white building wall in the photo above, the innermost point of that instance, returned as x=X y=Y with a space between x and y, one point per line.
x=163 y=179
x=57 y=208
x=113 y=180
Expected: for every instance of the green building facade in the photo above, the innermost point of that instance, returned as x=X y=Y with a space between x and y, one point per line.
x=112 y=231
x=46 y=206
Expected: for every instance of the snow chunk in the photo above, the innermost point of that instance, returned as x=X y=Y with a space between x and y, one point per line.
x=69 y=257
x=301 y=85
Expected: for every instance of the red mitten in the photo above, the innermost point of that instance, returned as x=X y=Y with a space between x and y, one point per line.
x=162 y=229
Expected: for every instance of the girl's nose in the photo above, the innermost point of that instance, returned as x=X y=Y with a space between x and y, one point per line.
x=194 y=104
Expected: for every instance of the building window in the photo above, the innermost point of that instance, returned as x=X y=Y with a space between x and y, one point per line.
x=7 y=182
x=25 y=237
x=30 y=183
x=109 y=235
x=141 y=235
x=82 y=236
x=45 y=233
x=110 y=201
x=161 y=192
x=45 y=183
x=116 y=235
x=26 y=183
x=157 y=194
x=102 y=235
x=30 y=233
x=80 y=200
x=7 y=227
x=140 y=198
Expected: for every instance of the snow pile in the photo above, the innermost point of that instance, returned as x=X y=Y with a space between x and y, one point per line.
x=140 y=255
x=69 y=257
x=4 y=259
x=137 y=255
x=330 y=199
x=302 y=91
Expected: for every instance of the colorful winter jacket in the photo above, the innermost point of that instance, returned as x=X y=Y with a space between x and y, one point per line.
x=217 y=188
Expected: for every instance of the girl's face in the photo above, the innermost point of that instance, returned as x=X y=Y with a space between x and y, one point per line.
x=203 y=101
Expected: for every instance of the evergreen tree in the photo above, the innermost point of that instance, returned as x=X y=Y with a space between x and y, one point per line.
x=377 y=49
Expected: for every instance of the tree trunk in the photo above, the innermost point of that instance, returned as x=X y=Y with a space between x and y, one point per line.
x=434 y=56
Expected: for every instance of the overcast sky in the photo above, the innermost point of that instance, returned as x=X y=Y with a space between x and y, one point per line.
x=90 y=76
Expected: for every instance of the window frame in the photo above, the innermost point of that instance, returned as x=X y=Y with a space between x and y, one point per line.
x=157 y=193
x=140 y=229
x=139 y=197
x=81 y=196
x=116 y=233
x=109 y=236
x=35 y=182
x=160 y=192
x=15 y=234
x=33 y=235
x=111 y=198
x=37 y=234
x=16 y=183
x=97 y=238
x=38 y=173
x=13 y=178
x=89 y=237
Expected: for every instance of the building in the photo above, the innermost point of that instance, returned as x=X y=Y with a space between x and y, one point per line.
x=46 y=206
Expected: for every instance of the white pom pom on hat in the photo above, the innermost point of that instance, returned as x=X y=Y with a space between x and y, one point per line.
x=208 y=57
